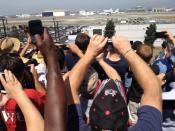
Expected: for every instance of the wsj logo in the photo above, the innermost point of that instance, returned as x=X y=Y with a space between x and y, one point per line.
x=12 y=116
x=8 y=116
x=110 y=92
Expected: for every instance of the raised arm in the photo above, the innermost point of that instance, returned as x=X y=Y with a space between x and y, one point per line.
x=110 y=71
x=77 y=74
x=170 y=37
x=38 y=86
x=29 y=42
x=55 y=107
x=142 y=72
x=74 y=48
x=32 y=116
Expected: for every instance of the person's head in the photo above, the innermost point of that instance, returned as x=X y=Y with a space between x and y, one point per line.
x=82 y=41
x=145 y=52
x=12 y=62
x=113 y=51
x=9 y=45
x=136 y=44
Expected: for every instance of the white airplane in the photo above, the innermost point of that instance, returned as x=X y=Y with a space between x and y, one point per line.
x=104 y=13
x=170 y=9
x=108 y=11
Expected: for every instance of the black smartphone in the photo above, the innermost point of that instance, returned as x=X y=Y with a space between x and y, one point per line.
x=161 y=34
x=35 y=27
x=132 y=43
x=109 y=44
x=168 y=75
x=1 y=86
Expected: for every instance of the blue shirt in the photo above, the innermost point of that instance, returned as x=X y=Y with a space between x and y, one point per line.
x=149 y=119
x=71 y=60
x=165 y=65
x=120 y=66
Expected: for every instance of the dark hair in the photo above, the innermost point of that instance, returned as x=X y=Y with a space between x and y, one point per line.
x=13 y=62
x=2 y=125
x=164 y=44
x=136 y=44
x=60 y=57
x=82 y=41
x=31 y=61
x=145 y=52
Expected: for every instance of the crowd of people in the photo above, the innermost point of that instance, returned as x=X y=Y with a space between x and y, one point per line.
x=93 y=86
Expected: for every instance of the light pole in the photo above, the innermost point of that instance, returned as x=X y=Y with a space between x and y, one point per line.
x=58 y=29
x=4 y=21
x=55 y=28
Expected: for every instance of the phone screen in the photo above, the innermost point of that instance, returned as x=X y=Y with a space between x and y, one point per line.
x=161 y=34
x=35 y=27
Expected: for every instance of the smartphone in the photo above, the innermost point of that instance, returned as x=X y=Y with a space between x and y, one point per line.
x=1 y=86
x=161 y=34
x=35 y=27
x=109 y=44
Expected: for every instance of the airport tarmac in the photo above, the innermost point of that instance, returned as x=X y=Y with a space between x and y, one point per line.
x=131 y=18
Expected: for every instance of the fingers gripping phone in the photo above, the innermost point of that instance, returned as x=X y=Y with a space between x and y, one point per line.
x=35 y=27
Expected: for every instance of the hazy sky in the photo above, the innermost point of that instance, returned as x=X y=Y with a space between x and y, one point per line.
x=9 y=7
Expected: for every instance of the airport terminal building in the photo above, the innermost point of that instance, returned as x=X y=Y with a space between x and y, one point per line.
x=53 y=13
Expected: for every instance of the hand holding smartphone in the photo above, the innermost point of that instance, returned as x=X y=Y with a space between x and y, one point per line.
x=162 y=34
x=35 y=27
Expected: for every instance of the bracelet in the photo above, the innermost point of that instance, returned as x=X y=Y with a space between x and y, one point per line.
x=127 y=52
